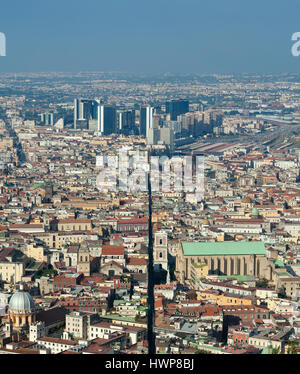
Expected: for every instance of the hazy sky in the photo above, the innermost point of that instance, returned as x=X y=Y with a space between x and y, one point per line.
x=150 y=35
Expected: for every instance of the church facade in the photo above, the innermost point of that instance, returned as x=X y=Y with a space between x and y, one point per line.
x=223 y=258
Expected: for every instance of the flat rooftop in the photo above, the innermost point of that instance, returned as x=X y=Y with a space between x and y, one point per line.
x=223 y=248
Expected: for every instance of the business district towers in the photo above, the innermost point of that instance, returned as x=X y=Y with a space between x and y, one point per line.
x=146 y=119
x=105 y=119
x=95 y=116
x=151 y=128
x=47 y=118
x=177 y=107
x=174 y=108
x=126 y=122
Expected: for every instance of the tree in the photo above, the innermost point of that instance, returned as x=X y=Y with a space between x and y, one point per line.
x=282 y=293
x=291 y=349
x=45 y=272
x=137 y=317
x=275 y=351
x=202 y=352
x=263 y=283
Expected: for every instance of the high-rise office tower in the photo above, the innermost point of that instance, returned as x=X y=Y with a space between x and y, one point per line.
x=167 y=106
x=177 y=107
x=107 y=119
x=126 y=122
x=47 y=119
x=153 y=136
x=146 y=118
x=167 y=137
x=163 y=135
x=86 y=114
x=216 y=119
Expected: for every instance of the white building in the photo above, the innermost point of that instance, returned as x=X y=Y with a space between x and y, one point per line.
x=36 y=331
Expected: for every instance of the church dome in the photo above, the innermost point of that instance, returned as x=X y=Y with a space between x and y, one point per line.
x=21 y=303
x=255 y=212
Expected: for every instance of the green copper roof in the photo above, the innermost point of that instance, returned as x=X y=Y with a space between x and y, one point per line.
x=117 y=317
x=223 y=248
x=239 y=278
x=284 y=274
x=279 y=263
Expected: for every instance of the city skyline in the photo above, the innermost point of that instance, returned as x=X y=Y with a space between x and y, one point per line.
x=149 y=187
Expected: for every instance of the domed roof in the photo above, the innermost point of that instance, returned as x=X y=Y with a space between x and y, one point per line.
x=255 y=212
x=21 y=302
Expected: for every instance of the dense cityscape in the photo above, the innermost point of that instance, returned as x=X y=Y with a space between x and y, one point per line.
x=74 y=249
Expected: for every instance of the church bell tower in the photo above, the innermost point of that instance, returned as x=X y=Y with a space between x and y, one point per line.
x=160 y=251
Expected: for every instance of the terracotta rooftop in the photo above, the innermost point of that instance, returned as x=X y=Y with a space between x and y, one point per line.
x=112 y=250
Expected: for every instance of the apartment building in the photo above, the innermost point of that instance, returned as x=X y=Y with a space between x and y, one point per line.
x=74 y=225
x=11 y=271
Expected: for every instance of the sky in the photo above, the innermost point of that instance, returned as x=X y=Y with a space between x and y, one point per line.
x=150 y=36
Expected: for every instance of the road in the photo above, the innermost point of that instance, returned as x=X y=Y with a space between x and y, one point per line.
x=18 y=145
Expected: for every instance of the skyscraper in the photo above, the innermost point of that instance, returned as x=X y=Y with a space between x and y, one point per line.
x=177 y=107
x=107 y=119
x=163 y=135
x=86 y=114
x=47 y=119
x=146 y=118
x=126 y=122
x=167 y=137
x=95 y=116
x=153 y=136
